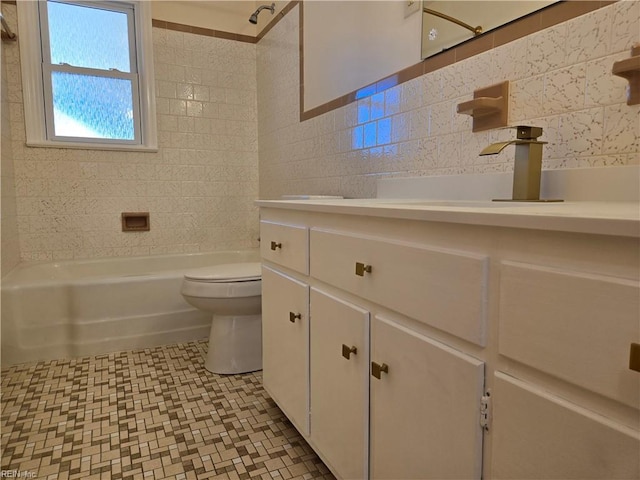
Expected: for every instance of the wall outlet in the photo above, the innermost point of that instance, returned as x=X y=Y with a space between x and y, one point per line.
x=411 y=7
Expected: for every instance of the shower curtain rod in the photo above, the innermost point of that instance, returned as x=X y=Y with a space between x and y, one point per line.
x=476 y=30
x=7 y=34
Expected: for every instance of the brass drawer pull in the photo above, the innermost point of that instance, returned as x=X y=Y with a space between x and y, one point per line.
x=275 y=245
x=361 y=268
x=634 y=357
x=293 y=316
x=377 y=370
x=347 y=351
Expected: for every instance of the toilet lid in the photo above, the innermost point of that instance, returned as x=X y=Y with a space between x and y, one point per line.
x=228 y=272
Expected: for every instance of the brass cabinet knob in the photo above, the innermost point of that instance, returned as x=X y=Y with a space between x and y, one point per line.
x=347 y=351
x=293 y=316
x=275 y=245
x=634 y=357
x=377 y=370
x=361 y=268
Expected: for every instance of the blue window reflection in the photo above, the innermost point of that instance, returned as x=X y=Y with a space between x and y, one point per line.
x=377 y=106
x=357 y=139
x=374 y=115
x=370 y=135
x=364 y=112
x=384 y=131
x=366 y=92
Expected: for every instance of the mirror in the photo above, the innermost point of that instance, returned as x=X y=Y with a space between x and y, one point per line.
x=446 y=23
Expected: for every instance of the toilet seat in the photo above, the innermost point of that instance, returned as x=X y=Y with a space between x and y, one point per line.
x=232 y=280
x=226 y=273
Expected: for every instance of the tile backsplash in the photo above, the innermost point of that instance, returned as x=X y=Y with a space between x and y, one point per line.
x=230 y=130
x=199 y=187
x=10 y=247
x=560 y=80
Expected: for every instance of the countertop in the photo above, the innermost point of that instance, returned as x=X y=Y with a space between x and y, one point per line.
x=601 y=218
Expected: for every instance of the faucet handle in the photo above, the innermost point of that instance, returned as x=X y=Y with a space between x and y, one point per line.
x=525 y=132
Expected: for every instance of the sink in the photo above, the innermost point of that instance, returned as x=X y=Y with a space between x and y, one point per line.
x=456 y=203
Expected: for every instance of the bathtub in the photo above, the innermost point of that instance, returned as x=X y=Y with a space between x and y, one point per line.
x=87 y=307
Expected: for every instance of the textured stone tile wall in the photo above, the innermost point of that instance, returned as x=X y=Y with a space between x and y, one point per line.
x=218 y=100
x=560 y=80
x=199 y=187
x=10 y=247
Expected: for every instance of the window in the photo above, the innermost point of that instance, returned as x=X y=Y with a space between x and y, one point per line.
x=88 y=74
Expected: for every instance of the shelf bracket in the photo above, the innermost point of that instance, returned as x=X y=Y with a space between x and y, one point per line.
x=629 y=68
x=489 y=107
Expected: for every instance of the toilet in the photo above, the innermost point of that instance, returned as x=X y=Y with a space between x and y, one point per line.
x=232 y=294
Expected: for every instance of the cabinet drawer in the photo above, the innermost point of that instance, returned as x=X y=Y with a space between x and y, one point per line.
x=573 y=325
x=286 y=245
x=538 y=435
x=442 y=288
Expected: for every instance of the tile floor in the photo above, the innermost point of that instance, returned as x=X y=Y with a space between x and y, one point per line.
x=147 y=414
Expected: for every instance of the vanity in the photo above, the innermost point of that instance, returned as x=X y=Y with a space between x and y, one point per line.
x=455 y=339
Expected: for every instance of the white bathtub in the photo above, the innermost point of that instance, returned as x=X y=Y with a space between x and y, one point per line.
x=87 y=307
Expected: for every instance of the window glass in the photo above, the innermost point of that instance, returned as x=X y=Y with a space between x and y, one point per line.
x=89 y=106
x=88 y=37
x=87 y=70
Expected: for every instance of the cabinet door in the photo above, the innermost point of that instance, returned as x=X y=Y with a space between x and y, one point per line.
x=339 y=385
x=538 y=435
x=424 y=409
x=285 y=344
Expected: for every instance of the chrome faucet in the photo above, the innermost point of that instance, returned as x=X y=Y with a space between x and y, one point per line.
x=527 y=169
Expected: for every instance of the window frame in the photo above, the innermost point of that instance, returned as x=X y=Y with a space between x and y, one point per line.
x=36 y=79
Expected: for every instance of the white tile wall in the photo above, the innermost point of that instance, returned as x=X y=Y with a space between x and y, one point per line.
x=560 y=80
x=213 y=94
x=199 y=187
x=10 y=247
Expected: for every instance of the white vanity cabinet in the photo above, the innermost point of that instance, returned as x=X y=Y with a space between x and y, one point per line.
x=462 y=350
x=365 y=422
x=424 y=398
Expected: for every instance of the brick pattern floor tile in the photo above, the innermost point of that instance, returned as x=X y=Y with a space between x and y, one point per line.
x=149 y=414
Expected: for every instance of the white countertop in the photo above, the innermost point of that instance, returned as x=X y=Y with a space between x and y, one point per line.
x=602 y=218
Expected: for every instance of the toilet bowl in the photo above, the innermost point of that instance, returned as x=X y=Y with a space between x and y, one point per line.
x=232 y=294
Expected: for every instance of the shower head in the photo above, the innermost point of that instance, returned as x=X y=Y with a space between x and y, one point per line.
x=254 y=16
